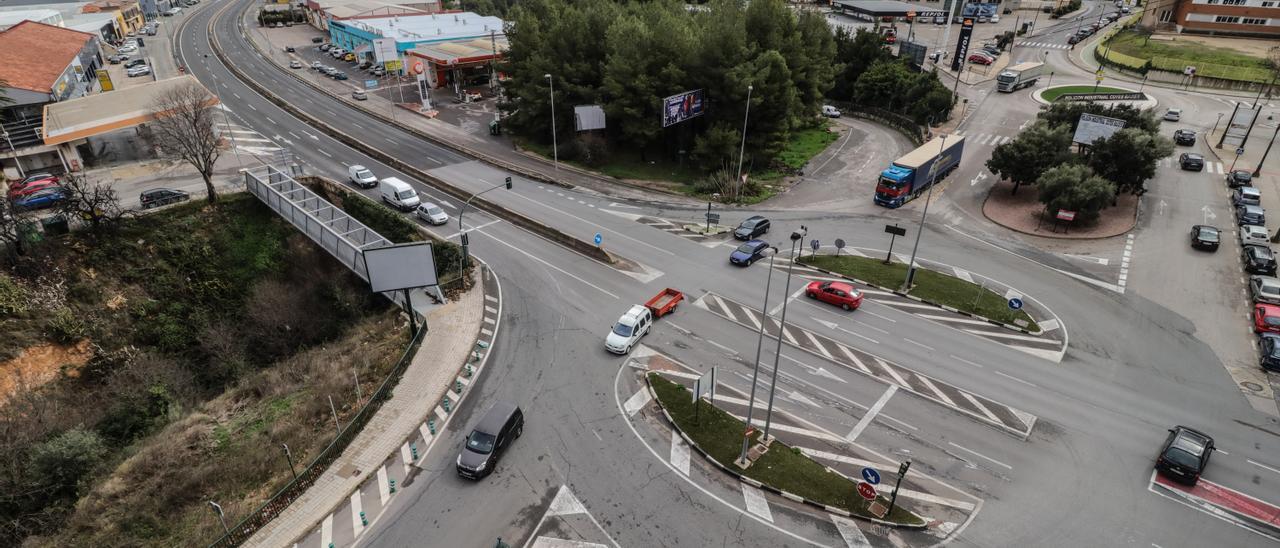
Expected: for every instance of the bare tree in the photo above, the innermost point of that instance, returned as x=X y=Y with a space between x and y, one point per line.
x=95 y=203
x=12 y=220
x=183 y=123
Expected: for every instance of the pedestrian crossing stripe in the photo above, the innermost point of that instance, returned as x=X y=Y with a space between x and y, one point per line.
x=990 y=139
x=1217 y=168
x=1045 y=45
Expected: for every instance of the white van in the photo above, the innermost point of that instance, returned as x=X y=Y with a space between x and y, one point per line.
x=361 y=176
x=398 y=194
x=830 y=111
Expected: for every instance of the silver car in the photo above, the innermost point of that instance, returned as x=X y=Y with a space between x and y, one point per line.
x=1264 y=289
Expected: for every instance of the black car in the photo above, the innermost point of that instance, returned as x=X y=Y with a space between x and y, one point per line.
x=1191 y=161
x=317 y=39
x=1205 y=237
x=289 y=49
x=489 y=440
x=135 y=63
x=1184 y=137
x=339 y=75
x=1251 y=215
x=118 y=58
x=1184 y=455
x=1258 y=259
x=1239 y=177
x=752 y=227
x=1270 y=343
x=1074 y=39
x=157 y=197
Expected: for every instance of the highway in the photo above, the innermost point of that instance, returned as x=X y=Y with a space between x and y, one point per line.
x=1135 y=362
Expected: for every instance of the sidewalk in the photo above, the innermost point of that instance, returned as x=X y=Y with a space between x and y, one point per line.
x=472 y=138
x=454 y=328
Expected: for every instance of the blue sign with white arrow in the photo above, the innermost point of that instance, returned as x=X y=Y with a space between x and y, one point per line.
x=599 y=238
x=1015 y=304
x=871 y=475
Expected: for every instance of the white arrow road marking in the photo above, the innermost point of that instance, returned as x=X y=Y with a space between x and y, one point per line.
x=980 y=176
x=679 y=453
x=832 y=325
x=849 y=531
x=756 y=503
x=798 y=397
x=821 y=372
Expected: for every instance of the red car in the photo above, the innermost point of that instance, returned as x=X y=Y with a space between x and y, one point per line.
x=1266 y=318
x=19 y=190
x=845 y=296
x=979 y=59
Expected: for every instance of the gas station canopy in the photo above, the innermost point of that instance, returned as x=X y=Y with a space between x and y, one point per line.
x=873 y=10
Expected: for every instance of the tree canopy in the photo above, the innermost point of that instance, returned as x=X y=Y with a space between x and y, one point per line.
x=1076 y=188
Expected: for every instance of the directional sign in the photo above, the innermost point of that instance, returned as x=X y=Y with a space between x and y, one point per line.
x=1015 y=304
x=599 y=238
x=713 y=217
x=866 y=490
x=839 y=243
x=895 y=230
x=871 y=475
x=1239 y=151
x=814 y=244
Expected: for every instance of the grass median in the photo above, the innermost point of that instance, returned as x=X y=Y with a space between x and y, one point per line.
x=720 y=435
x=931 y=286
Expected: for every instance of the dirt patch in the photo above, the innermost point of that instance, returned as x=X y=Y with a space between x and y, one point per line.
x=1024 y=213
x=37 y=365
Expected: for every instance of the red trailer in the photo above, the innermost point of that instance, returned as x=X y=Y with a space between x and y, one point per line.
x=665 y=302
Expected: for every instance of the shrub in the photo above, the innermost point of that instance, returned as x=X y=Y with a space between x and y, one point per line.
x=66 y=326
x=12 y=299
x=382 y=220
x=62 y=462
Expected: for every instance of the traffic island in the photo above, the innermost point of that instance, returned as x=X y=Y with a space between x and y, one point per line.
x=781 y=469
x=930 y=286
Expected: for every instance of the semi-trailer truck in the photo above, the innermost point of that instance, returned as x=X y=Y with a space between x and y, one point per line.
x=1019 y=76
x=911 y=175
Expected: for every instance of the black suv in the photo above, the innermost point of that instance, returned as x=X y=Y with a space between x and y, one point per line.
x=1184 y=455
x=1184 y=137
x=1270 y=343
x=1239 y=177
x=489 y=440
x=752 y=227
x=1191 y=161
x=157 y=197
x=1259 y=259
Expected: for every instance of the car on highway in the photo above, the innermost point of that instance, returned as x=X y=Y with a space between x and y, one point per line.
x=1254 y=234
x=1184 y=137
x=830 y=111
x=1246 y=195
x=1266 y=318
x=1205 y=237
x=141 y=70
x=1251 y=215
x=40 y=199
x=1239 y=177
x=748 y=253
x=488 y=441
x=1269 y=344
x=1184 y=455
x=361 y=176
x=839 y=294
x=1191 y=161
x=1173 y=114
x=157 y=197
x=751 y=227
x=629 y=329
x=431 y=213
x=295 y=64
x=1258 y=259
x=1264 y=289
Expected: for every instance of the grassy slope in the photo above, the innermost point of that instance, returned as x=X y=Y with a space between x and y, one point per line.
x=1132 y=43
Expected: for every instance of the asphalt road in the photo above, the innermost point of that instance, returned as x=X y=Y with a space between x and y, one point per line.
x=1134 y=367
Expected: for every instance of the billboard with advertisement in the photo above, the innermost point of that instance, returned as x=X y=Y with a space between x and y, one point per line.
x=104 y=80
x=682 y=106
x=384 y=49
x=962 y=44
x=1241 y=121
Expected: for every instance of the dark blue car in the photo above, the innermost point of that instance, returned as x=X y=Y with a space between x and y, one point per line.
x=40 y=199
x=748 y=253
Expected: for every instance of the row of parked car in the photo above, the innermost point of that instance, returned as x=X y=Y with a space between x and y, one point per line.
x=986 y=56
x=375 y=69
x=36 y=191
x=1088 y=30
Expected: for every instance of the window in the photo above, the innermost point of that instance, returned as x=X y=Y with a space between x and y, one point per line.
x=1212 y=2
x=1226 y=19
x=1253 y=21
x=1233 y=2
x=1268 y=4
x=1166 y=16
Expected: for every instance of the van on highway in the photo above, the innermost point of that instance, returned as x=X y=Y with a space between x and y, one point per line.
x=398 y=194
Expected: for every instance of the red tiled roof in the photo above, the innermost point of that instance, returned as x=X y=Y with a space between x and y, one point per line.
x=33 y=55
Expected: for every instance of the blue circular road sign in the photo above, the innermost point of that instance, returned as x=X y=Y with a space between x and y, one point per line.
x=599 y=238
x=1015 y=304
x=871 y=476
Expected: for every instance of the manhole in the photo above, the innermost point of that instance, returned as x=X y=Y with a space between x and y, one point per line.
x=1251 y=386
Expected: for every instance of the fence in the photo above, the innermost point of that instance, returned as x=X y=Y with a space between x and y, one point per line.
x=903 y=124
x=296 y=487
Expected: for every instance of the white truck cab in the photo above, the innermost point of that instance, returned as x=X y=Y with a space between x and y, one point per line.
x=630 y=328
x=398 y=194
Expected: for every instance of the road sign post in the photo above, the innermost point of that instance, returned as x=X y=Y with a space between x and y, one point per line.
x=894 y=231
x=866 y=490
x=598 y=239
x=814 y=245
x=1239 y=151
x=902 y=472
x=1015 y=304
x=839 y=246
x=871 y=475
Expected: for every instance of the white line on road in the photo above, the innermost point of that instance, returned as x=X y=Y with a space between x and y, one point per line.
x=551 y=266
x=295 y=135
x=326 y=530
x=1260 y=465
x=356 y=508
x=966 y=449
x=236 y=94
x=1013 y=378
x=679 y=453
x=637 y=401
x=962 y=360
x=384 y=490
x=777 y=307
x=273 y=122
x=849 y=531
x=921 y=345
x=252 y=107
x=321 y=151
x=469 y=229
x=756 y=503
x=885 y=318
x=871 y=413
x=389 y=140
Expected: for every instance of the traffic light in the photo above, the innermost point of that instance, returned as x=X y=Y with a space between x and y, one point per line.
x=508 y=182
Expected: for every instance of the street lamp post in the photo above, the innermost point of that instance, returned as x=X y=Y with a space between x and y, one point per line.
x=797 y=238
x=751 y=403
x=1257 y=171
x=218 y=509
x=288 y=455
x=911 y=267
x=555 y=146
x=743 y=149
x=462 y=233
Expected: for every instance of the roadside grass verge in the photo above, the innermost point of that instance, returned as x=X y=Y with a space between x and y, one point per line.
x=1135 y=44
x=1052 y=94
x=783 y=467
x=930 y=285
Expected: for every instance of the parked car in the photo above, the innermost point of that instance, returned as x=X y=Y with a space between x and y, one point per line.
x=157 y=197
x=431 y=213
x=1258 y=259
x=1266 y=318
x=328 y=71
x=40 y=199
x=984 y=19
x=1253 y=234
x=1251 y=215
x=1264 y=289
x=1191 y=161
x=995 y=18
x=118 y=58
x=1205 y=237
x=748 y=252
x=1269 y=344
x=135 y=63
x=489 y=440
x=1074 y=39
x=359 y=95
x=1246 y=195
x=141 y=70
x=348 y=57
x=1173 y=114
x=980 y=59
x=751 y=227
x=289 y=49
x=840 y=294
x=325 y=47
x=1184 y=455
x=20 y=190
x=339 y=75
x=127 y=49
x=633 y=325
x=295 y=64
x=1184 y=137
x=1239 y=177
x=317 y=65
x=317 y=39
